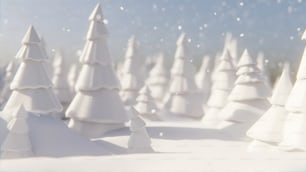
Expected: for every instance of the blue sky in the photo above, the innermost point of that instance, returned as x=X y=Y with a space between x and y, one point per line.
x=271 y=26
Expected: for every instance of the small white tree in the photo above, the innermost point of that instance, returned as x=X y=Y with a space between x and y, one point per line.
x=248 y=99
x=72 y=78
x=203 y=78
x=145 y=104
x=294 y=136
x=159 y=79
x=262 y=64
x=268 y=130
x=183 y=98
x=31 y=85
x=139 y=141
x=222 y=84
x=96 y=107
x=17 y=143
x=131 y=73
x=9 y=75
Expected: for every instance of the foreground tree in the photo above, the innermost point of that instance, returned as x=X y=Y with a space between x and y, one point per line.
x=96 y=107
x=31 y=85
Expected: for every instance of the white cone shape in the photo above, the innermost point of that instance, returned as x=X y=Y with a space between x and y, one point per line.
x=248 y=99
x=139 y=140
x=59 y=80
x=159 y=79
x=184 y=98
x=17 y=143
x=203 y=78
x=294 y=136
x=145 y=104
x=222 y=84
x=31 y=85
x=131 y=73
x=301 y=73
x=269 y=128
x=97 y=102
x=9 y=75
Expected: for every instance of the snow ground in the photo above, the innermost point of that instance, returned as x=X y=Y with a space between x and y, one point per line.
x=179 y=146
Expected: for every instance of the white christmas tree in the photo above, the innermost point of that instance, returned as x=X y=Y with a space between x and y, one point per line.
x=248 y=99
x=183 y=98
x=17 y=143
x=294 y=136
x=31 y=85
x=139 y=141
x=9 y=75
x=262 y=64
x=222 y=84
x=159 y=79
x=97 y=107
x=203 y=78
x=267 y=131
x=59 y=80
x=145 y=104
x=72 y=78
x=131 y=73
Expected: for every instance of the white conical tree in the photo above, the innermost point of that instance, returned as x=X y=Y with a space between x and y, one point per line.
x=183 y=98
x=267 y=131
x=262 y=64
x=72 y=78
x=145 y=104
x=97 y=107
x=248 y=99
x=139 y=141
x=203 y=78
x=294 y=136
x=131 y=73
x=159 y=79
x=31 y=85
x=17 y=143
x=9 y=75
x=60 y=81
x=222 y=84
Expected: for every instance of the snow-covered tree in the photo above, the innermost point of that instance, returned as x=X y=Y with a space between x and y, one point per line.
x=267 y=131
x=31 y=85
x=96 y=107
x=17 y=143
x=248 y=99
x=72 y=78
x=145 y=104
x=9 y=75
x=139 y=141
x=203 y=78
x=294 y=136
x=222 y=84
x=131 y=73
x=60 y=80
x=262 y=64
x=183 y=97
x=159 y=79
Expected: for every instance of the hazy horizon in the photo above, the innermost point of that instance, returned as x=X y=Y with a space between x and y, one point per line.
x=274 y=27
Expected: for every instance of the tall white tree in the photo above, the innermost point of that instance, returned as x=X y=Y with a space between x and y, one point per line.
x=248 y=99
x=31 y=85
x=158 y=80
x=222 y=84
x=203 y=78
x=132 y=78
x=294 y=136
x=183 y=98
x=268 y=130
x=9 y=75
x=17 y=143
x=60 y=80
x=96 y=107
